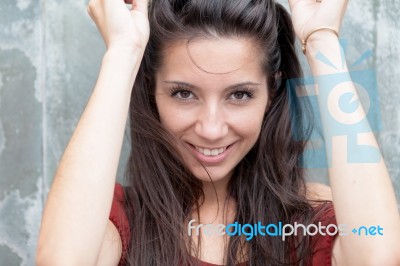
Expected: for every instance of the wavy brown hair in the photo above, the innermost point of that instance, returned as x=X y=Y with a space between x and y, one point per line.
x=268 y=184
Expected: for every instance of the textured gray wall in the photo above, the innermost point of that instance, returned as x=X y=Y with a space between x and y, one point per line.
x=50 y=53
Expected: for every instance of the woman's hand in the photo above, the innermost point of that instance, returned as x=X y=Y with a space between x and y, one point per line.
x=309 y=15
x=119 y=26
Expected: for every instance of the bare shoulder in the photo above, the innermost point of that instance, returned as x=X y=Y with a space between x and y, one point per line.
x=111 y=249
x=318 y=191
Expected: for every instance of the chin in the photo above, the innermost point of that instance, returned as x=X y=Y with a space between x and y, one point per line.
x=213 y=175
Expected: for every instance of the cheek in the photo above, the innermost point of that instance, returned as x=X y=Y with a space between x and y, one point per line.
x=249 y=119
x=173 y=119
x=250 y=129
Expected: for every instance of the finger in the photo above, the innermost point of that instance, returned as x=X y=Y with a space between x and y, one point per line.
x=140 y=5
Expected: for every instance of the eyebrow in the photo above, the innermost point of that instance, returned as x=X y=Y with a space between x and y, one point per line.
x=234 y=86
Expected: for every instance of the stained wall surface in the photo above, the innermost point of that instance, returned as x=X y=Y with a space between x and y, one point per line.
x=50 y=54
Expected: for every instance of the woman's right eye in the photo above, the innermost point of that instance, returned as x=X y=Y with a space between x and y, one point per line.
x=182 y=94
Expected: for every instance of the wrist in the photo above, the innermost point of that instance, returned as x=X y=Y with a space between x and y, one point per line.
x=119 y=68
x=326 y=45
x=322 y=36
x=123 y=53
x=318 y=34
x=321 y=41
x=122 y=61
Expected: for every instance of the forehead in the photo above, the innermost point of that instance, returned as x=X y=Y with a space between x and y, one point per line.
x=212 y=58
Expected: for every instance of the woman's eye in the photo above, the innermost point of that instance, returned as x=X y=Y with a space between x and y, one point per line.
x=182 y=94
x=241 y=95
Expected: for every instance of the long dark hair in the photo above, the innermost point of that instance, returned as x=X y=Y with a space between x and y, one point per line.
x=268 y=184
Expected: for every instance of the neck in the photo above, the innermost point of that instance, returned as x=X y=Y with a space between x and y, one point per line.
x=217 y=206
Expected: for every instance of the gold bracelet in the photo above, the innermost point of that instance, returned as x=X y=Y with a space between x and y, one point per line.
x=304 y=42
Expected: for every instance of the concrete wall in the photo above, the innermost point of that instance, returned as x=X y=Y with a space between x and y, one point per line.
x=50 y=53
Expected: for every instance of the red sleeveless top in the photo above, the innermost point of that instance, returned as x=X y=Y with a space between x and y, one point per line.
x=322 y=252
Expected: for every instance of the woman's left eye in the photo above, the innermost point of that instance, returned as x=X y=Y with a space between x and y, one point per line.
x=241 y=95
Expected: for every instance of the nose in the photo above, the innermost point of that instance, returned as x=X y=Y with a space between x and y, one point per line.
x=211 y=124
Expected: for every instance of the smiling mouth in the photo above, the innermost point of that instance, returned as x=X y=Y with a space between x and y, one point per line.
x=210 y=152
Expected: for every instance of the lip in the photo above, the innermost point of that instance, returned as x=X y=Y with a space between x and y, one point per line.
x=211 y=160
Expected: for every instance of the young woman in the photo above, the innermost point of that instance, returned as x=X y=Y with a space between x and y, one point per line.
x=216 y=138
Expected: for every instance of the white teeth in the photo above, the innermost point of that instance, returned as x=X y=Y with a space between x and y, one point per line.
x=213 y=152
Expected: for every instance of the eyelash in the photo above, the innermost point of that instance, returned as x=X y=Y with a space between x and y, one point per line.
x=179 y=88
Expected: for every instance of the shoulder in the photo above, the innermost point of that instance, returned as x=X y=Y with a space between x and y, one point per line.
x=114 y=247
x=119 y=192
x=119 y=219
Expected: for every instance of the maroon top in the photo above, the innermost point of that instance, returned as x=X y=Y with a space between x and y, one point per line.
x=322 y=252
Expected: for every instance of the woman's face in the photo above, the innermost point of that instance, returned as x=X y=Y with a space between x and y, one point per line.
x=217 y=117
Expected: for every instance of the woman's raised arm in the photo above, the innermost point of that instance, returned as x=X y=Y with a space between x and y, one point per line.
x=79 y=202
x=362 y=191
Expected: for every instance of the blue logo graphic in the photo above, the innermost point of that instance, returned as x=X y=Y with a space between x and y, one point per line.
x=368 y=231
x=330 y=98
